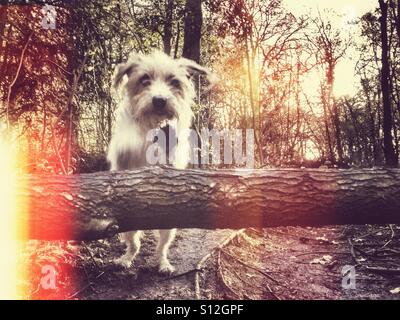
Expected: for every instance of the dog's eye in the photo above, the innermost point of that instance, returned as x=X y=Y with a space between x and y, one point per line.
x=145 y=80
x=175 y=83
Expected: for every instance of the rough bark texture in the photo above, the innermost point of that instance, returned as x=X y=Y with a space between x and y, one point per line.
x=390 y=154
x=167 y=35
x=93 y=206
x=192 y=34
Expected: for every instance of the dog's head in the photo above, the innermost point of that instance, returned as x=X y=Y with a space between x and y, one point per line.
x=158 y=88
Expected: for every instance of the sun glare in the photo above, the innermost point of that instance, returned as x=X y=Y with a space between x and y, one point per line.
x=8 y=227
x=10 y=271
x=348 y=12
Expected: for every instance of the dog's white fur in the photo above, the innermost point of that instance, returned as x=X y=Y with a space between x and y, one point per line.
x=142 y=78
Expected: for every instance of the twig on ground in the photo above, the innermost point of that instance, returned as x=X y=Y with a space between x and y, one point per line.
x=222 y=277
x=89 y=285
x=239 y=276
x=388 y=271
x=391 y=237
x=369 y=233
x=264 y=273
x=272 y=293
x=199 y=265
x=256 y=231
x=320 y=252
x=183 y=274
x=316 y=241
x=91 y=256
x=353 y=254
x=365 y=253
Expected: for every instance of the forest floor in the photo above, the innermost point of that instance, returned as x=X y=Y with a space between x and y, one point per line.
x=275 y=263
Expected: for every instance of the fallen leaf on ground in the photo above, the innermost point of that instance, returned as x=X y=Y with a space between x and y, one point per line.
x=395 y=290
x=323 y=260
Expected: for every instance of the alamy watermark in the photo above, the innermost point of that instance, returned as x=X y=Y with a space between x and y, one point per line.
x=349 y=277
x=49 y=17
x=49 y=276
x=208 y=147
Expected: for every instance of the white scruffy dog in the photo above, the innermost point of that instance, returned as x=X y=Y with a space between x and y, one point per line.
x=156 y=90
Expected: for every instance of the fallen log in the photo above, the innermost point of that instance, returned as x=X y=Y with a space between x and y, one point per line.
x=99 y=205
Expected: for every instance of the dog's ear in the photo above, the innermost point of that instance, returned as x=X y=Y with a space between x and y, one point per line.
x=120 y=71
x=126 y=68
x=192 y=68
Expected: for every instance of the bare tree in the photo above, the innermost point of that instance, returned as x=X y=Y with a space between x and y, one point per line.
x=391 y=157
x=167 y=36
x=329 y=45
x=192 y=34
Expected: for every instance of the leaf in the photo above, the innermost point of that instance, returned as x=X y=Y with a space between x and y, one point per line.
x=323 y=260
x=395 y=290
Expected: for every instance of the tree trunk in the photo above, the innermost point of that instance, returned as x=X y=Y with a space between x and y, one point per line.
x=178 y=33
x=371 y=126
x=390 y=154
x=192 y=34
x=329 y=150
x=396 y=15
x=93 y=206
x=250 y=60
x=336 y=121
x=167 y=35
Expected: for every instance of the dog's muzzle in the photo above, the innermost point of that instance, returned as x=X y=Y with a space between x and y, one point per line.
x=159 y=102
x=162 y=109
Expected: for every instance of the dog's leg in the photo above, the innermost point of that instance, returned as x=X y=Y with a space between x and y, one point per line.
x=132 y=241
x=182 y=150
x=180 y=161
x=125 y=152
x=166 y=238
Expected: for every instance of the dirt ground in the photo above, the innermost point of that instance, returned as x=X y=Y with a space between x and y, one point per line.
x=275 y=263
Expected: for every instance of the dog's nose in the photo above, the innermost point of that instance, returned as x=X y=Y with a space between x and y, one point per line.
x=159 y=102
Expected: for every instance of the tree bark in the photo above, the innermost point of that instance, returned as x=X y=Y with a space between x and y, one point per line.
x=391 y=158
x=336 y=121
x=396 y=16
x=192 y=33
x=93 y=206
x=167 y=35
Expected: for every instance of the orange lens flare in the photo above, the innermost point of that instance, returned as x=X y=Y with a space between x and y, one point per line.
x=10 y=271
x=26 y=268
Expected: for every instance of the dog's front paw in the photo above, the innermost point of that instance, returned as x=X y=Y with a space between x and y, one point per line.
x=166 y=268
x=125 y=261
